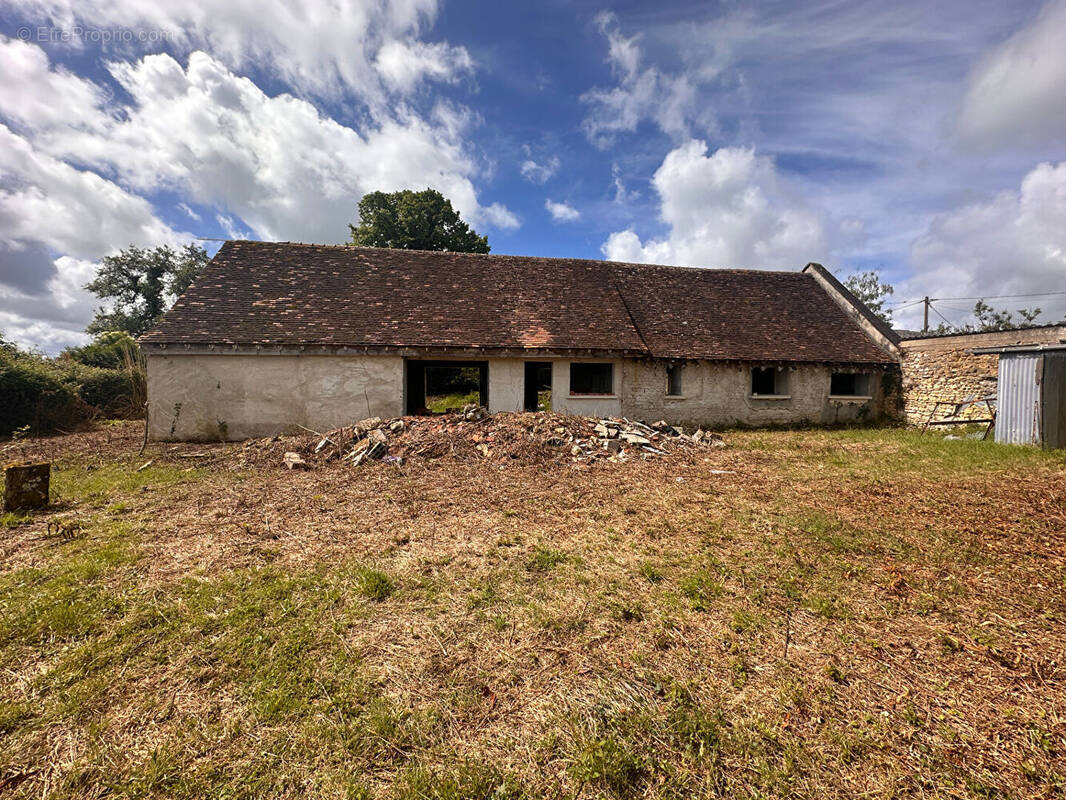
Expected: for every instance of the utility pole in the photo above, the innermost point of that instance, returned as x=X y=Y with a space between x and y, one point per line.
x=925 y=316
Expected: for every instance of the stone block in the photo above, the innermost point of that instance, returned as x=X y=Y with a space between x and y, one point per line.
x=26 y=486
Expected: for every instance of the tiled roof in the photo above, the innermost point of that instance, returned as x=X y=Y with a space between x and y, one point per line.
x=265 y=293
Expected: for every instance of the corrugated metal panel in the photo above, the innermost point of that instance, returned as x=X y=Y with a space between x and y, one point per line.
x=1018 y=406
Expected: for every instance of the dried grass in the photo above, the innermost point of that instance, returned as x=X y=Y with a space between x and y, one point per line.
x=541 y=624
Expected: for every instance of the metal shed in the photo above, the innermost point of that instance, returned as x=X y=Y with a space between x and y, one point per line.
x=1031 y=396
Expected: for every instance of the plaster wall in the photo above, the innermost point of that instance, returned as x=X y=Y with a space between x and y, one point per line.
x=211 y=396
x=587 y=405
x=238 y=396
x=719 y=395
x=506 y=384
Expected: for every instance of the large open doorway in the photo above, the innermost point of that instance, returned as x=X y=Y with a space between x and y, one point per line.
x=538 y=386
x=437 y=387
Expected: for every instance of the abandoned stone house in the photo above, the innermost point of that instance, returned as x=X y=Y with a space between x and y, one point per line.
x=278 y=335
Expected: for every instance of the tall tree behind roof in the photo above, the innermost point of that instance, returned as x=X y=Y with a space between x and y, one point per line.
x=139 y=284
x=868 y=287
x=408 y=220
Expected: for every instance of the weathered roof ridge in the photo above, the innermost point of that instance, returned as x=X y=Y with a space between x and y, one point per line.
x=600 y=261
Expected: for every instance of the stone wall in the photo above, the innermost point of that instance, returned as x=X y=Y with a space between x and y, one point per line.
x=940 y=368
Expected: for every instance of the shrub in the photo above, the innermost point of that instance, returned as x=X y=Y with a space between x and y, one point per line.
x=110 y=350
x=34 y=395
x=45 y=394
x=111 y=391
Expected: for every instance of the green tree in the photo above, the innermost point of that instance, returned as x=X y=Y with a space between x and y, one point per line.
x=409 y=220
x=139 y=284
x=868 y=287
x=992 y=319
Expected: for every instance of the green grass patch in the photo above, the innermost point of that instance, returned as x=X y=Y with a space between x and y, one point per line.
x=468 y=781
x=67 y=600
x=14 y=519
x=544 y=559
x=701 y=588
x=99 y=485
x=374 y=583
x=440 y=404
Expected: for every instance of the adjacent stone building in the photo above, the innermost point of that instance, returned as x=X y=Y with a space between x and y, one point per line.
x=945 y=368
x=278 y=335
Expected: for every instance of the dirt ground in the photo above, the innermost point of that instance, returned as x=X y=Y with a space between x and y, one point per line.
x=798 y=614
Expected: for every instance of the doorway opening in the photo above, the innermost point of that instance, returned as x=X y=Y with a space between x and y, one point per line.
x=538 y=386
x=440 y=387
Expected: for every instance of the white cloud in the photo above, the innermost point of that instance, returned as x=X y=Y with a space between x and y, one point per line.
x=562 y=212
x=499 y=215
x=71 y=211
x=622 y=195
x=364 y=46
x=229 y=225
x=274 y=165
x=184 y=207
x=56 y=221
x=540 y=173
x=58 y=98
x=669 y=100
x=727 y=209
x=275 y=162
x=1014 y=96
x=1013 y=243
x=404 y=64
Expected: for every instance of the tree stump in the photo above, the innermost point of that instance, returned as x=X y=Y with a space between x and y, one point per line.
x=26 y=486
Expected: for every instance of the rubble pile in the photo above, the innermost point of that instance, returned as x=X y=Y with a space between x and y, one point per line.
x=534 y=437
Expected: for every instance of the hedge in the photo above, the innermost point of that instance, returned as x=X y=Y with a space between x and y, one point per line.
x=58 y=394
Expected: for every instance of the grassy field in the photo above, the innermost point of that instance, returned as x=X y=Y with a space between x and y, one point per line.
x=438 y=404
x=801 y=614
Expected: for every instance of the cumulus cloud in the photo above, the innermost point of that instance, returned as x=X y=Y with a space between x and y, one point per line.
x=71 y=211
x=726 y=209
x=1013 y=243
x=364 y=46
x=539 y=173
x=55 y=222
x=642 y=93
x=59 y=98
x=1014 y=96
x=562 y=212
x=277 y=163
x=269 y=166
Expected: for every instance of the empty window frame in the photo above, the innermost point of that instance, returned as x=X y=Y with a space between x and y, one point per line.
x=849 y=384
x=673 y=380
x=768 y=382
x=591 y=378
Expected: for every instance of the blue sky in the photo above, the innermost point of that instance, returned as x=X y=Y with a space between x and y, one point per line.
x=925 y=140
